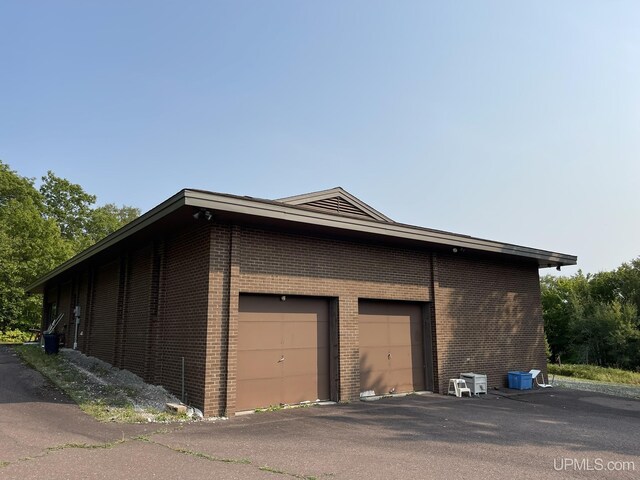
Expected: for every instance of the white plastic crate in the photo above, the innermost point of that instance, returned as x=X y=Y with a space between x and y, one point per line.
x=476 y=382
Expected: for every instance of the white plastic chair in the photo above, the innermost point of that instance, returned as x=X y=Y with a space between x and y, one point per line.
x=457 y=386
x=538 y=373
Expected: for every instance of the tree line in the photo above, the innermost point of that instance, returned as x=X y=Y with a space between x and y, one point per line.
x=594 y=318
x=41 y=227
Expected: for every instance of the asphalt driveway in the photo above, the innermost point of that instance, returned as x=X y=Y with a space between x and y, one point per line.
x=554 y=433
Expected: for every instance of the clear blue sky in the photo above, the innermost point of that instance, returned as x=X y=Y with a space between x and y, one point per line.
x=514 y=121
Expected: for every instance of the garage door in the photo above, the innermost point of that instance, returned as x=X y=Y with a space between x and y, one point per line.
x=283 y=351
x=391 y=347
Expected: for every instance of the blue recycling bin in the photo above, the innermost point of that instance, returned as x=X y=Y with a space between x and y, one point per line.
x=520 y=380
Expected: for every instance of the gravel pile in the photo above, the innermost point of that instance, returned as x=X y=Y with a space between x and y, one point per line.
x=616 y=389
x=98 y=377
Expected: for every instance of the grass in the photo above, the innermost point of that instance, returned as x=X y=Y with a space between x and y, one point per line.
x=599 y=374
x=105 y=403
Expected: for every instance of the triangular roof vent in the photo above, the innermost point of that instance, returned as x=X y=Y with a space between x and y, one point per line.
x=336 y=200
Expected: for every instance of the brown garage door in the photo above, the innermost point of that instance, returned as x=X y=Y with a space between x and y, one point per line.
x=283 y=351
x=391 y=347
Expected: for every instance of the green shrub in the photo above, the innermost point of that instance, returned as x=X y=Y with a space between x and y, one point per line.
x=14 y=336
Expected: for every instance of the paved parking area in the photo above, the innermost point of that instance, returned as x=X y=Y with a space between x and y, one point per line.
x=554 y=433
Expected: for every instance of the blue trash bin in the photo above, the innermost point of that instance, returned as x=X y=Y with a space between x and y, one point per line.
x=50 y=343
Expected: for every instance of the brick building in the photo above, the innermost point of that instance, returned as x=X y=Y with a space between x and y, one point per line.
x=317 y=296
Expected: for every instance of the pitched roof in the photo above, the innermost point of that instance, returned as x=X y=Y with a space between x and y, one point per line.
x=288 y=212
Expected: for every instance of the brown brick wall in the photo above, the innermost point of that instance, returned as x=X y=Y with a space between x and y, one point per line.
x=103 y=312
x=488 y=318
x=82 y=290
x=218 y=315
x=183 y=312
x=135 y=336
x=146 y=309
x=178 y=297
x=279 y=263
x=153 y=358
x=64 y=306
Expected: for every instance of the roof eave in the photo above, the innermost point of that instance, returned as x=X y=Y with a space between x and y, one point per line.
x=296 y=214
x=279 y=211
x=166 y=207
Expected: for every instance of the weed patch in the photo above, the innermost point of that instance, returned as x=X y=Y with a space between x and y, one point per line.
x=599 y=374
x=272 y=470
x=206 y=456
x=276 y=408
x=270 y=408
x=277 y=471
x=88 y=446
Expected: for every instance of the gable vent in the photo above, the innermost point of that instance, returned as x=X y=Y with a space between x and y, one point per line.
x=337 y=205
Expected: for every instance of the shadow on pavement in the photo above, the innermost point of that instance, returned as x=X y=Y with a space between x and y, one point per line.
x=19 y=383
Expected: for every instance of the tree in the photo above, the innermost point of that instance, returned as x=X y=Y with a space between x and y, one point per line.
x=107 y=219
x=561 y=297
x=629 y=282
x=71 y=208
x=67 y=204
x=30 y=245
x=601 y=334
x=41 y=228
x=594 y=318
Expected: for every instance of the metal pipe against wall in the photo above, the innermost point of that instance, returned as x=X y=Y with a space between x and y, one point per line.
x=76 y=314
x=182 y=398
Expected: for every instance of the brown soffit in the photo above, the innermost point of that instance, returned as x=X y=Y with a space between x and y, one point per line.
x=297 y=214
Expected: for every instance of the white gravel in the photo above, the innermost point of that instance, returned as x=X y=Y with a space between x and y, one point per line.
x=619 y=390
x=142 y=395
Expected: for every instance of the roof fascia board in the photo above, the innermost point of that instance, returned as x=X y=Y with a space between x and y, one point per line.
x=153 y=215
x=295 y=214
x=333 y=192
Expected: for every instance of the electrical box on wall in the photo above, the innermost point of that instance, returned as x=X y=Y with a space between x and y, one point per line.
x=76 y=314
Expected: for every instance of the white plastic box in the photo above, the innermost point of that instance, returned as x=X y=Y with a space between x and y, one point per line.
x=476 y=382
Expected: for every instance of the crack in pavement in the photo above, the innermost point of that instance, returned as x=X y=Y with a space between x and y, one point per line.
x=240 y=461
x=146 y=438
x=206 y=456
x=55 y=448
x=88 y=446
